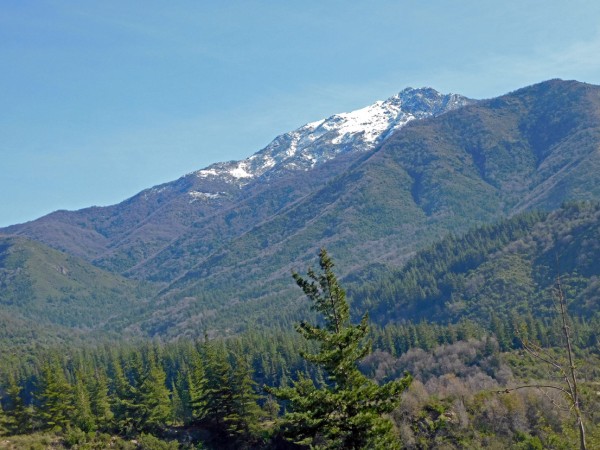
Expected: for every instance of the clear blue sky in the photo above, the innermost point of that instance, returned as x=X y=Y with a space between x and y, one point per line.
x=101 y=99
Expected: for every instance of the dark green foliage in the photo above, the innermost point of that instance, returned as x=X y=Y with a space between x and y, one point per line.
x=196 y=382
x=16 y=414
x=454 y=363
x=153 y=409
x=122 y=397
x=100 y=401
x=347 y=413
x=496 y=274
x=4 y=422
x=243 y=421
x=218 y=392
x=55 y=397
x=150 y=442
x=83 y=417
x=181 y=411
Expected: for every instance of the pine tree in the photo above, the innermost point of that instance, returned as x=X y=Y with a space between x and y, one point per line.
x=499 y=330
x=153 y=408
x=82 y=407
x=122 y=398
x=218 y=392
x=177 y=409
x=100 y=403
x=242 y=422
x=196 y=381
x=16 y=412
x=348 y=412
x=56 y=397
x=271 y=408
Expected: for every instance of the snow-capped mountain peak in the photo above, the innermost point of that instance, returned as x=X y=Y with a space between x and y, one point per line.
x=356 y=131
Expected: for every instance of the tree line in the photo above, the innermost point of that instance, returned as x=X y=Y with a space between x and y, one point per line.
x=269 y=389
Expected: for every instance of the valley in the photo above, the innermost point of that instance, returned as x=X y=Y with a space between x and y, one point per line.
x=449 y=220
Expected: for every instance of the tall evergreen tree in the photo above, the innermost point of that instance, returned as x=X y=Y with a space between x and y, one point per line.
x=218 y=392
x=153 y=408
x=83 y=417
x=178 y=406
x=122 y=398
x=348 y=413
x=17 y=417
x=196 y=381
x=242 y=422
x=100 y=403
x=56 y=397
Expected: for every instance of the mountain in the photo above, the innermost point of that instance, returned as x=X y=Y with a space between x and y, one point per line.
x=225 y=200
x=373 y=186
x=533 y=148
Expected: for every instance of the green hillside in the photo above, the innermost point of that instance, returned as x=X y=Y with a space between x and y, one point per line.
x=45 y=293
x=497 y=269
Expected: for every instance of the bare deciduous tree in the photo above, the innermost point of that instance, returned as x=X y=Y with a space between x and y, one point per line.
x=565 y=370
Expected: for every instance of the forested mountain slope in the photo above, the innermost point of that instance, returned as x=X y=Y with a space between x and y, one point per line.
x=496 y=270
x=372 y=186
x=46 y=294
x=533 y=148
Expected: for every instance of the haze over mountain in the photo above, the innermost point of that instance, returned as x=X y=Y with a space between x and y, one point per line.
x=372 y=186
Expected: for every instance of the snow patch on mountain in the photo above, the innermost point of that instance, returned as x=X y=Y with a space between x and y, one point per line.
x=206 y=172
x=240 y=171
x=197 y=195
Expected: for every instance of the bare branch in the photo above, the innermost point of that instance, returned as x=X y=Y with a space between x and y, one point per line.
x=537 y=386
x=565 y=368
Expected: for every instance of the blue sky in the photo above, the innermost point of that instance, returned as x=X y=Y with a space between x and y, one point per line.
x=101 y=99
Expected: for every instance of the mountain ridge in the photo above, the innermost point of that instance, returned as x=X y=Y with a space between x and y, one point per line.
x=159 y=215
x=221 y=262
x=425 y=181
